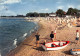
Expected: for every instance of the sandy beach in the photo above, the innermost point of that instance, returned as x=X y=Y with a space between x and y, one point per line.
x=63 y=33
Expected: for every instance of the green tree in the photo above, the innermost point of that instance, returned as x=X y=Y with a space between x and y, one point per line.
x=72 y=11
x=42 y=14
x=32 y=14
x=60 y=12
x=36 y=14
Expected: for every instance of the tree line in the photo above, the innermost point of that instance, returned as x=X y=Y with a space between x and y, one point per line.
x=71 y=11
x=59 y=12
x=35 y=14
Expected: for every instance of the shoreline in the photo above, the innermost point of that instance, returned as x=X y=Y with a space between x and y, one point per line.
x=27 y=40
x=64 y=33
x=30 y=45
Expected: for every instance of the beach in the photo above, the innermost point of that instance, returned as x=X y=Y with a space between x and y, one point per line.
x=63 y=33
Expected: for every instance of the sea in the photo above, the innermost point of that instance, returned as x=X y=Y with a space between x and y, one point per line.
x=13 y=31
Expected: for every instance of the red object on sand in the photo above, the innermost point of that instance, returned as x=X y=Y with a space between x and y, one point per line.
x=57 y=45
x=77 y=30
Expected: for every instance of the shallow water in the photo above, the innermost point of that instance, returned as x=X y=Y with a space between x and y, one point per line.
x=14 y=31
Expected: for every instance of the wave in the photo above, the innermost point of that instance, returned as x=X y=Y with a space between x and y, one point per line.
x=32 y=31
x=15 y=43
x=0 y=52
x=36 y=27
x=24 y=35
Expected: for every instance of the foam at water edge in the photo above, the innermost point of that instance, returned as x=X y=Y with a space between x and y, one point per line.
x=24 y=35
x=35 y=27
x=32 y=30
x=0 y=52
x=15 y=43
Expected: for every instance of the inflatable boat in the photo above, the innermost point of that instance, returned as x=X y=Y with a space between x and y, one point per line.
x=56 y=45
x=75 y=51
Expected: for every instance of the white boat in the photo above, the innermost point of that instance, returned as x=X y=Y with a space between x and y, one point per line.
x=75 y=51
x=57 y=45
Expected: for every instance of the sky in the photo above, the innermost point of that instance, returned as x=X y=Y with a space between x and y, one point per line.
x=19 y=7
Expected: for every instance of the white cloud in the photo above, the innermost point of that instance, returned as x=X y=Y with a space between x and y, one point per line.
x=2 y=7
x=42 y=10
x=10 y=1
x=60 y=7
x=70 y=6
x=78 y=6
x=7 y=13
x=45 y=9
x=59 y=2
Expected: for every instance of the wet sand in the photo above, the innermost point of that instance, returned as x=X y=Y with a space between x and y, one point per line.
x=28 y=46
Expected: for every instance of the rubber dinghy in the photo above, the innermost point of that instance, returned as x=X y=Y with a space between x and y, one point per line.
x=75 y=51
x=56 y=45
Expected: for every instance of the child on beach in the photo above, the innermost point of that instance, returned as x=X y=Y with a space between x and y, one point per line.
x=44 y=42
x=52 y=35
x=37 y=39
x=77 y=36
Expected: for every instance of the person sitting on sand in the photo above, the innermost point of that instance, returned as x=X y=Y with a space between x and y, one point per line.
x=44 y=42
x=52 y=35
x=77 y=36
x=37 y=39
x=52 y=45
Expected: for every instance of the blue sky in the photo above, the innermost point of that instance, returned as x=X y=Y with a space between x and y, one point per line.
x=14 y=7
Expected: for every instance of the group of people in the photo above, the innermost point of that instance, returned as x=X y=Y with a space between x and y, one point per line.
x=53 y=35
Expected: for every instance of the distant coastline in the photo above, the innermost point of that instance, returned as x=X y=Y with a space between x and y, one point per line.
x=11 y=17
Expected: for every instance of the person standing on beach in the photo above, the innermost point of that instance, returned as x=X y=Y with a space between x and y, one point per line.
x=55 y=33
x=52 y=35
x=37 y=39
x=77 y=36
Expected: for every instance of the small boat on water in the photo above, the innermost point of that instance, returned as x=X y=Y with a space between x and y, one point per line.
x=75 y=51
x=56 y=45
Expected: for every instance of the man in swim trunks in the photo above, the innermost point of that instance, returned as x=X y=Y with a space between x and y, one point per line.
x=52 y=35
x=37 y=39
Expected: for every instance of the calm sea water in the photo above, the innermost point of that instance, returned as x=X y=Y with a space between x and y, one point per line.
x=14 y=31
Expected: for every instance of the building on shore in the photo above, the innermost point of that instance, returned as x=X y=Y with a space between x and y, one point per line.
x=52 y=15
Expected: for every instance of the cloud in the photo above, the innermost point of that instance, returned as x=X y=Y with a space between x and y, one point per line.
x=59 y=2
x=10 y=1
x=46 y=9
x=78 y=6
x=42 y=10
x=2 y=7
x=60 y=7
x=70 y=6
x=7 y=13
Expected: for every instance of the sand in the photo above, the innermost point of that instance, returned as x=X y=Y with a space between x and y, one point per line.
x=63 y=33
